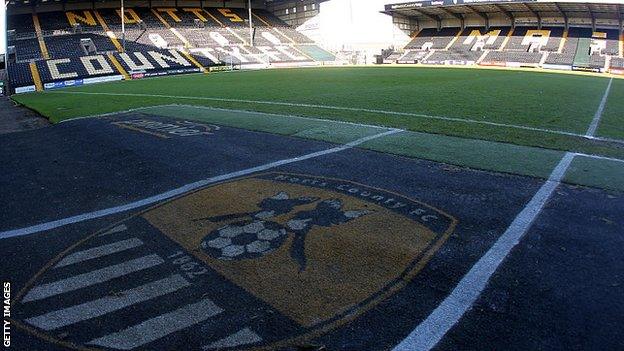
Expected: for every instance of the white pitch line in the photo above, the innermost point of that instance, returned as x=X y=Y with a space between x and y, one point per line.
x=159 y=327
x=144 y=108
x=600 y=157
x=428 y=333
x=340 y=108
x=596 y=120
x=91 y=278
x=99 y=251
x=324 y=120
x=99 y=307
x=106 y=114
x=184 y=189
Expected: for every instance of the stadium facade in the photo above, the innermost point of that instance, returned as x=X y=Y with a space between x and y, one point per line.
x=565 y=35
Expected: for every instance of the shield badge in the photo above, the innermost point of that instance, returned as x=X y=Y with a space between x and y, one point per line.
x=260 y=262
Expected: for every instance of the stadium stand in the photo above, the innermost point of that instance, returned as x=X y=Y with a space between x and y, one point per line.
x=20 y=74
x=475 y=39
x=525 y=46
x=412 y=56
x=70 y=44
x=74 y=68
x=22 y=24
x=554 y=35
x=215 y=35
x=453 y=57
x=26 y=49
x=207 y=36
x=521 y=57
x=617 y=62
x=157 y=62
x=430 y=38
x=229 y=17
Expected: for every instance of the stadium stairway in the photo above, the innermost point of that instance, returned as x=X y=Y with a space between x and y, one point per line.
x=507 y=38
x=563 y=41
x=118 y=66
x=187 y=44
x=485 y=52
x=544 y=57
x=194 y=61
x=280 y=33
x=428 y=55
x=231 y=31
x=36 y=77
x=111 y=35
x=42 y=45
x=453 y=40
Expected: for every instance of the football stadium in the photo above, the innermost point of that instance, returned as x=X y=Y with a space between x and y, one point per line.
x=312 y=175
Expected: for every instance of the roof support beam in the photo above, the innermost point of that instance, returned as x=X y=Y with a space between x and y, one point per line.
x=509 y=14
x=565 y=15
x=456 y=15
x=536 y=14
x=485 y=18
x=431 y=17
x=620 y=9
x=593 y=18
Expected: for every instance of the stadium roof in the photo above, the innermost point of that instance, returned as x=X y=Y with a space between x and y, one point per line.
x=223 y=3
x=448 y=9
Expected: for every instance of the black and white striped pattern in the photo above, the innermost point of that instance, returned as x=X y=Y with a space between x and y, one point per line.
x=116 y=292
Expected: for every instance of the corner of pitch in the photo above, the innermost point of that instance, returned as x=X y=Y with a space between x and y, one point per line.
x=259 y=262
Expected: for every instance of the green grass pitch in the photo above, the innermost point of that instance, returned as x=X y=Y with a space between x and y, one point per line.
x=544 y=111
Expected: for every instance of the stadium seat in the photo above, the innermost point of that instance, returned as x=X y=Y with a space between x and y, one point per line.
x=433 y=39
x=19 y=74
x=26 y=49
x=617 y=62
x=476 y=38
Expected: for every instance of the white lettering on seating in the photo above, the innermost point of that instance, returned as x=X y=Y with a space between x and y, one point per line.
x=219 y=38
x=145 y=64
x=272 y=38
x=54 y=70
x=87 y=62
x=197 y=12
x=207 y=52
x=235 y=52
x=158 y=40
x=293 y=56
x=272 y=54
x=536 y=37
x=162 y=59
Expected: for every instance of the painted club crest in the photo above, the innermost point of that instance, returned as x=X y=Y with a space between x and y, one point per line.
x=263 y=262
x=168 y=129
x=259 y=235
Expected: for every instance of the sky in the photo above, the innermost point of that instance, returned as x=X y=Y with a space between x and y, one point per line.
x=355 y=23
